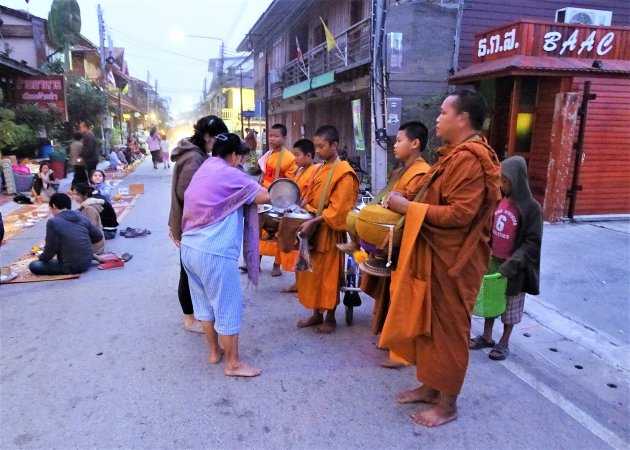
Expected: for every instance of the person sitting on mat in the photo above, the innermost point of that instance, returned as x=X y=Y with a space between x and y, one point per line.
x=69 y=237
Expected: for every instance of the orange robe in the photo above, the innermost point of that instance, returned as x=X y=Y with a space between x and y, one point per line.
x=378 y=287
x=302 y=178
x=443 y=257
x=288 y=166
x=319 y=289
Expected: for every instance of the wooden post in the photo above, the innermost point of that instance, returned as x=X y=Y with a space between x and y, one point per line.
x=565 y=116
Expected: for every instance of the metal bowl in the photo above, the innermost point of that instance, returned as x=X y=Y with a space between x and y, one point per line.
x=284 y=193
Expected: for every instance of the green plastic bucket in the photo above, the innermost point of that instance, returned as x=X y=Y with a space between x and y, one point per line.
x=491 y=297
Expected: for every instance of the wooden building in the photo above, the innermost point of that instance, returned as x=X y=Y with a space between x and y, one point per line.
x=318 y=87
x=534 y=75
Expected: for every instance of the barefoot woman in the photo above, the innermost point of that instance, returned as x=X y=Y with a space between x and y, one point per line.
x=217 y=200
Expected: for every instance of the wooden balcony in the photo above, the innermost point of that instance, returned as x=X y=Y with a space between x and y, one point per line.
x=355 y=51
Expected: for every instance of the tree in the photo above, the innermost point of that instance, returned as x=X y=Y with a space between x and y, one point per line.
x=85 y=100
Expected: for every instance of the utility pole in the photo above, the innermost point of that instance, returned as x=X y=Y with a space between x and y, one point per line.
x=242 y=131
x=101 y=44
x=378 y=170
x=148 y=100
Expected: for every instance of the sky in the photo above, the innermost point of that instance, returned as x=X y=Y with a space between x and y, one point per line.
x=146 y=29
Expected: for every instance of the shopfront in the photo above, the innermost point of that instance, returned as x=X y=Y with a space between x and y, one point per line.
x=559 y=95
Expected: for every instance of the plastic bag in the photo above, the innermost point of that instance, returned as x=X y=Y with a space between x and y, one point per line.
x=303 y=263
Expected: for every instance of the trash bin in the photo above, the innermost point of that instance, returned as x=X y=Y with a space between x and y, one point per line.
x=45 y=150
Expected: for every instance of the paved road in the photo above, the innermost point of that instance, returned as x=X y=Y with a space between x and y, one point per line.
x=103 y=361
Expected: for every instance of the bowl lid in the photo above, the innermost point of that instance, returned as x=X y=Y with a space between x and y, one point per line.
x=284 y=193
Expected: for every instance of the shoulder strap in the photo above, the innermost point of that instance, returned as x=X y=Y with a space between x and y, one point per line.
x=388 y=187
x=322 y=200
x=279 y=164
x=420 y=194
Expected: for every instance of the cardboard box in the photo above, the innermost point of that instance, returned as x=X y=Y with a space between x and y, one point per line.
x=136 y=189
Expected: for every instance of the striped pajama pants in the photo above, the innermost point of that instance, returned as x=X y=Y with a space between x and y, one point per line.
x=215 y=288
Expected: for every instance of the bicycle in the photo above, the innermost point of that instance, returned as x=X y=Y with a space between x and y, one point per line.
x=355 y=163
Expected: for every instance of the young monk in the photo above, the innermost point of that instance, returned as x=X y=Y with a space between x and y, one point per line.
x=276 y=163
x=304 y=153
x=443 y=257
x=411 y=141
x=332 y=196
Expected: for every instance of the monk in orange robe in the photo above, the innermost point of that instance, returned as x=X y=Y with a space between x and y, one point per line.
x=304 y=153
x=411 y=141
x=443 y=257
x=332 y=196
x=277 y=163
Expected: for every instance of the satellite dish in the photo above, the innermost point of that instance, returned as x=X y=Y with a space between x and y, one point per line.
x=64 y=22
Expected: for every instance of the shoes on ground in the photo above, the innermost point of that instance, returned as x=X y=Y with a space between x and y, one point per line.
x=113 y=264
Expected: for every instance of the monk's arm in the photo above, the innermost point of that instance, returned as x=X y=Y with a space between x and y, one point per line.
x=463 y=189
x=291 y=168
x=342 y=200
x=411 y=189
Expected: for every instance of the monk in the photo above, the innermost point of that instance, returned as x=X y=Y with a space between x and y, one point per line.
x=304 y=153
x=411 y=141
x=276 y=163
x=332 y=196
x=443 y=257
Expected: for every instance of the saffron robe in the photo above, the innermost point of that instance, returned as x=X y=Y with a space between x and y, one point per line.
x=378 y=287
x=288 y=166
x=443 y=257
x=319 y=289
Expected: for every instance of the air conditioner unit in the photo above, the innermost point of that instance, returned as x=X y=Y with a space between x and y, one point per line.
x=584 y=16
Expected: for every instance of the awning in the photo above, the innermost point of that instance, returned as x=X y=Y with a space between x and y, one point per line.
x=540 y=65
x=14 y=67
x=306 y=85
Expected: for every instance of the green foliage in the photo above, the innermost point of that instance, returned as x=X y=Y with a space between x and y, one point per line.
x=14 y=137
x=85 y=101
x=54 y=67
x=64 y=22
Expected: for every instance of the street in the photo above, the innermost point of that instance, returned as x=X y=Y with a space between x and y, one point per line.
x=103 y=361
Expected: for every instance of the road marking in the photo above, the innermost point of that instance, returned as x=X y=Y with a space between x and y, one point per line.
x=560 y=401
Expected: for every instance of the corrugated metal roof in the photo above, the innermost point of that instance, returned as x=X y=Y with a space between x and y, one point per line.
x=552 y=66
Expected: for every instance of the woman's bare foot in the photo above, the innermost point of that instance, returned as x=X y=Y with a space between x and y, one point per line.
x=436 y=415
x=242 y=369
x=423 y=394
x=289 y=290
x=327 y=327
x=276 y=271
x=193 y=326
x=310 y=322
x=216 y=355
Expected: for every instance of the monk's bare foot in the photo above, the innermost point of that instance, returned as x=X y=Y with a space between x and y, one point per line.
x=436 y=415
x=242 y=370
x=327 y=327
x=276 y=271
x=423 y=394
x=391 y=364
x=289 y=290
x=310 y=322
x=216 y=355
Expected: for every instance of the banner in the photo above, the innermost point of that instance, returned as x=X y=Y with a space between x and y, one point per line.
x=357 y=125
x=46 y=91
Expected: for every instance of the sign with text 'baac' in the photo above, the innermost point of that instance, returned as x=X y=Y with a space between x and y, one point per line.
x=532 y=38
x=46 y=91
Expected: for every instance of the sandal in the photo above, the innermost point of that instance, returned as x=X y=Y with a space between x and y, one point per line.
x=499 y=353
x=480 y=342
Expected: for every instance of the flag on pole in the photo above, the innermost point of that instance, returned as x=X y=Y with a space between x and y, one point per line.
x=330 y=39
x=110 y=78
x=300 y=58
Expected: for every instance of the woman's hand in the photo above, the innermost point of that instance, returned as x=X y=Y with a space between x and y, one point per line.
x=396 y=202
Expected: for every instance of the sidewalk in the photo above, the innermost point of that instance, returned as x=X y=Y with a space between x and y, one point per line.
x=103 y=361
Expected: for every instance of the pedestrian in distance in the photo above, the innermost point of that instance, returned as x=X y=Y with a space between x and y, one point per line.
x=443 y=257
x=333 y=195
x=164 y=148
x=78 y=165
x=188 y=156
x=219 y=213
x=153 y=141
x=516 y=241
x=69 y=238
x=89 y=148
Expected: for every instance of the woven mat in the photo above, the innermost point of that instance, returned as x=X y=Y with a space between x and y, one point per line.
x=11 y=229
x=124 y=205
x=24 y=275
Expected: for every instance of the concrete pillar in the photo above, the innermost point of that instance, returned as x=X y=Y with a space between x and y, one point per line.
x=565 y=116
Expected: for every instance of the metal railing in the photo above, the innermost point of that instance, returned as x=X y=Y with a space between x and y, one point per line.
x=354 y=44
x=228 y=114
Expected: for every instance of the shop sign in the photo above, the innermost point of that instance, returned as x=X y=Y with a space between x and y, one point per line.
x=47 y=92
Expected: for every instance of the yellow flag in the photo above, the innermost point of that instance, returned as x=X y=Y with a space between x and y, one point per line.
x=330 y=39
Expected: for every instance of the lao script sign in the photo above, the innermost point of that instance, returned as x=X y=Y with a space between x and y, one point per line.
x=46 y=91
x=533 y=38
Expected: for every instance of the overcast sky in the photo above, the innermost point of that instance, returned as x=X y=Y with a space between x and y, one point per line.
x=145 y=28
